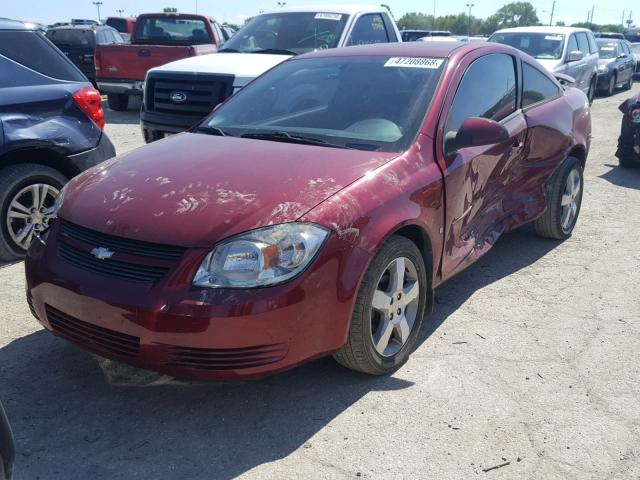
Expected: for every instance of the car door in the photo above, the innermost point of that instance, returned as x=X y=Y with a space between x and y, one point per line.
x=585 y=64
x=628 y=61
x=476 y=178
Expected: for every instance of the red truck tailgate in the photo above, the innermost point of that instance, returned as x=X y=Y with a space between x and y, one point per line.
x=131 y=62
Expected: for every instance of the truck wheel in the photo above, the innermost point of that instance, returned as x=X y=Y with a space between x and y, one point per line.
x=388 y=311
x=564 y=199
x=118 y=101
x=27 y=194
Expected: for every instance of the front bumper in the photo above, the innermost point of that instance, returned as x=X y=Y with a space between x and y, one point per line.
x=175 y=328
x=155 y=126
x=602 y=81
x=90 y=158
x=127 y=87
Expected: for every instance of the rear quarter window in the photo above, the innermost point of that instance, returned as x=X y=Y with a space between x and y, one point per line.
x=536 y=86
x=32 y=50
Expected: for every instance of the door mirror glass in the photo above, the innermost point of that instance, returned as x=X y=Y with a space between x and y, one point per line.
x=622 y=55
x=575 y=56
x=475 y=132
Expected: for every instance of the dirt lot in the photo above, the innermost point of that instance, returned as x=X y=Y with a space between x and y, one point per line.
x=531 y=358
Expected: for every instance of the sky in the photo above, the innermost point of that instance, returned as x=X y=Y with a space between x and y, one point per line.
x=235 y=11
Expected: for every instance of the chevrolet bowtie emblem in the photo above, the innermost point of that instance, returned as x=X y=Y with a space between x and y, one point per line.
x=102 y=253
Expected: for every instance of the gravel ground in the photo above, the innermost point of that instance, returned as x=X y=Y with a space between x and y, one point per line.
x=529 y=363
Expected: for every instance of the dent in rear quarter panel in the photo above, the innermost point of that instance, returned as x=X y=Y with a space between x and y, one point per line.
x=556 y=128
x=405 y=191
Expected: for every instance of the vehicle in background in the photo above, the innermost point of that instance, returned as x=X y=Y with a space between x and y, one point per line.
x=79 y=44
x=124 y=25
x=635 y=50
x=612 y=35
x=83 y=21
x=443 y=39
x=51 y=123
x=616 y=66
x=628 y=152
x=228 y=32
x=7 y=447
x=314 y=212
x=564 y=50
x=180 y=94
x=157 y=38
x=413 y=35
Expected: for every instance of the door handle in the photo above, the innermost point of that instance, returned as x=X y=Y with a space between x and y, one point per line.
x=144 y=53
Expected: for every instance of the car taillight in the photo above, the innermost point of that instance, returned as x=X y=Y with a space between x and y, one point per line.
x=88 y=99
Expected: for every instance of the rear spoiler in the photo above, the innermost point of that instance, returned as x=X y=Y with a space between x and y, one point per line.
x=565 y=79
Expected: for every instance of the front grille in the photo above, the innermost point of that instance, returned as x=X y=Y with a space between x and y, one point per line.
x=91 y=336
x=227 y=358
x=203 y=92
x=120 y=244
x=132 y=272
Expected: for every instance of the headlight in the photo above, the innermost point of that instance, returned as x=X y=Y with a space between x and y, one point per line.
x=57 y=205
x=603 y=69
x=261 y=257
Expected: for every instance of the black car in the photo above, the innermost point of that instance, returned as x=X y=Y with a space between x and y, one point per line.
x=7 y=449
x=79 y=44
x=616 y=65
x=629 y=142
x=51 y=122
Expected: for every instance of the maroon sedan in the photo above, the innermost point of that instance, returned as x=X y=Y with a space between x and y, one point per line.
x=313 y=213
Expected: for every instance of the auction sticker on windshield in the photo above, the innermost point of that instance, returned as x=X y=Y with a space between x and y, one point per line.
x=328 y=16
x=414 y=62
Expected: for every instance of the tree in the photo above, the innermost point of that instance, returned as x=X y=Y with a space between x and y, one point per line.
x=517 y=14
x=232 y=26
x=415 y=21
x=561 y=24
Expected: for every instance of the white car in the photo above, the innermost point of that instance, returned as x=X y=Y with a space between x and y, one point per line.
x=180 y=94
x=565 y=50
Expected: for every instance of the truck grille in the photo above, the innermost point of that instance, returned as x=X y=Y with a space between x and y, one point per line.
x=203 y=92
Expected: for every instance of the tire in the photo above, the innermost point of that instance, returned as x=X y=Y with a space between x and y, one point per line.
x=627 y=156
x=552 y=223
x=118 y=101
x=360 y=353
x=629 y=84
x=14 y=180
x=612 y=85
x=591 y=94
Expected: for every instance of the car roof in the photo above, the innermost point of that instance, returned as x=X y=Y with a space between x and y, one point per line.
x=610 y=40
x=8 y=24
x=81 y=27
x=404 y=49
x=543 y=29
x=343 y=9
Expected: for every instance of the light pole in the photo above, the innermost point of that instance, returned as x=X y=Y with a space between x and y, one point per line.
x=553 y=9
x=282 y=4
x=433 y=19
x=470 y=5
x=97 y=4
x=120 y=11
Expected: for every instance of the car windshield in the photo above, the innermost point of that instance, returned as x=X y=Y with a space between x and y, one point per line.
x=635 y=48
x=607 y=50
x=296 y=32
x=172 y=30
x=360 y=102
x=543 y=46
x=71 y=37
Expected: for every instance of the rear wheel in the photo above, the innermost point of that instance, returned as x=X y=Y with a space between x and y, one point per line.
x=563 y=202
x=388 y=310
x=629 y=84
x=118 y=101
x=27 y=194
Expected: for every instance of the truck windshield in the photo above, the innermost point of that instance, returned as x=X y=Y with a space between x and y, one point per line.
x=296 y=32
x=191 y=31
x=543 y=46
x=358 y=102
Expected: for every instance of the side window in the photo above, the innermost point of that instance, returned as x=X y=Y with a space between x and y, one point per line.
x=101 y=37
x=391 y=32
x=625 y=48
x=488 y=89
x=367 y=30
x=593 y=46
x=583 y=43
x=536 y=86
x=220 y=37
x=573 y=44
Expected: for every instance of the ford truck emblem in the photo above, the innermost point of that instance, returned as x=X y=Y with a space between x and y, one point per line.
x=102 y=253
x=178 y=97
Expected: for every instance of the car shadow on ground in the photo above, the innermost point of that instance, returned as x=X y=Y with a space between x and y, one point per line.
x=76 y=417
x=130 y=116
x=623 y=177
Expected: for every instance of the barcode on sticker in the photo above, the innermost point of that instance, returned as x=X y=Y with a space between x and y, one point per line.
x=328 y=16
x=414 y=62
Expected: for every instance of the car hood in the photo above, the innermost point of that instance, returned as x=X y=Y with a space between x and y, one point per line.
x=193 y=190
x=244 y=66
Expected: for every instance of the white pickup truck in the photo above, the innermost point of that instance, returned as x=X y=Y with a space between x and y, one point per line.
x=180 y=94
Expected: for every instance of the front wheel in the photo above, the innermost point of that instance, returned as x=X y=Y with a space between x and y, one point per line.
x=629 y=83
x=388 y=310
x=591 y=94
x=612 y=86
x=27 y=194
x=563 y=202
x=118 y=101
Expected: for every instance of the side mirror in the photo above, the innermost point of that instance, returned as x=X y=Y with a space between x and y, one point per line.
x=475 y=132
x=575 y=56
x=622 y=55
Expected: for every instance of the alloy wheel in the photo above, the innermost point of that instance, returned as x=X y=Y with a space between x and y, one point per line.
x=570 y=200
x=394 y=306
x=30 y=212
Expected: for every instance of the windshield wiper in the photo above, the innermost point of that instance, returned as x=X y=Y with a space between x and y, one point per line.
x=279 y=136
x=276 y=51
x=213 y=131
x=228 y=50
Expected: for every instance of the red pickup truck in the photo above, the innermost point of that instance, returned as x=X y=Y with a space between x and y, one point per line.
x=158 y=38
